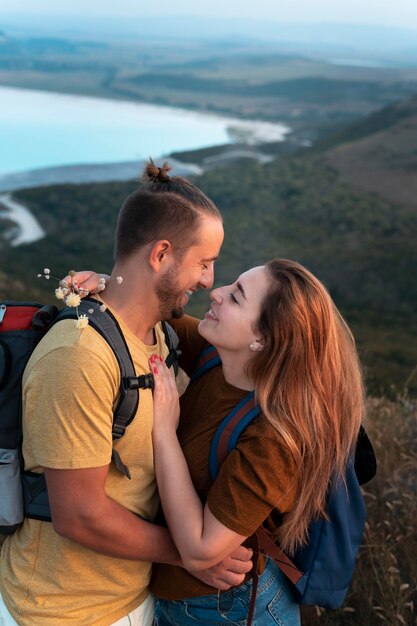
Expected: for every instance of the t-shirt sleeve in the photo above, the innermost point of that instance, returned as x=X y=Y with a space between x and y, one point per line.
x=68 y=410
x=259 y=475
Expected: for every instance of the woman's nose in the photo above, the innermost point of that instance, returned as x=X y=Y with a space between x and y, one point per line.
x=216 y=295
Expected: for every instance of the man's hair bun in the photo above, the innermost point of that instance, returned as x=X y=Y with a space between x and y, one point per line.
x=153 y=173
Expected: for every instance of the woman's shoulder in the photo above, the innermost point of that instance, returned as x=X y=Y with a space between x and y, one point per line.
x=258 y=476
x=261 y=439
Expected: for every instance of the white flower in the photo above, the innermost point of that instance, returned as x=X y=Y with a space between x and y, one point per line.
x=47 y=276
x=39 y=275
x=81 y=322
x=73 y=299
x=100 y=287
x=46 y=270
x=102 y=280
x=103 y=308
x=119 y=279
x=91 y=311
x=59 y=293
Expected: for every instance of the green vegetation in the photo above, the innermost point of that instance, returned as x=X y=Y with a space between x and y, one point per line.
x=310 y=90
x=359 y=245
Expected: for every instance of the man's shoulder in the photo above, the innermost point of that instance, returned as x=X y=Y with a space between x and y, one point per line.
x=65 y=347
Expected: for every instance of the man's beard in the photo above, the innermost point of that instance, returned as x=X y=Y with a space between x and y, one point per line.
x=169 y=296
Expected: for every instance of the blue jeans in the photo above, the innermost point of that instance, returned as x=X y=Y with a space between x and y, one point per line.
x=275 y=604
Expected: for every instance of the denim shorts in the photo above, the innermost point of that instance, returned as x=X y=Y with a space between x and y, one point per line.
x=275 y=604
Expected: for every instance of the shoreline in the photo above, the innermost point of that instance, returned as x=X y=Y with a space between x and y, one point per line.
x=124 y=98
x=120 y=171
x=85 y=174
x=28 y=229
x=177 y=129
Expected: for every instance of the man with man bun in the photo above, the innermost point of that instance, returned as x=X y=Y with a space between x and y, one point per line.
x=91 y=565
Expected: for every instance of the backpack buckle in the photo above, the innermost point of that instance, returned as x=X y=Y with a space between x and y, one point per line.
x=138 y=382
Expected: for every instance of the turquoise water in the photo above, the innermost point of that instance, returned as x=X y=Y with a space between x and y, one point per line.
x=44 y=129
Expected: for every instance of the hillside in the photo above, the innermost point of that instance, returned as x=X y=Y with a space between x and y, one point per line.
x=361 y=246
x=380 y=155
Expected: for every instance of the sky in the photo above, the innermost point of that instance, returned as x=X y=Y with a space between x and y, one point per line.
x=400 y=13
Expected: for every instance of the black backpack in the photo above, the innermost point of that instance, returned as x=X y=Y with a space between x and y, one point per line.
x=22 y=326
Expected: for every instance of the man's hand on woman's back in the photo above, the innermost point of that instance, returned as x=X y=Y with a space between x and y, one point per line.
x=228 y=573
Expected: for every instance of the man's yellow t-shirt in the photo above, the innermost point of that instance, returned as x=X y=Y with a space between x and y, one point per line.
x=70 y=388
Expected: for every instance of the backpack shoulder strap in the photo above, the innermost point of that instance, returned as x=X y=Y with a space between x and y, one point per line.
x=108 y=327
x=235 y=422
x=229 y=431
x=207 y=359
x=172 y=340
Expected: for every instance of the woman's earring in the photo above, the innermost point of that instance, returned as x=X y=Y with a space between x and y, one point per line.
x=252 y=346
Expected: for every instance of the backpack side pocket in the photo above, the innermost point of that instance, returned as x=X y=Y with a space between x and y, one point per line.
x=11 y=498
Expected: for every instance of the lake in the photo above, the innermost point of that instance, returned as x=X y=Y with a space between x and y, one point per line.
x=43 y=129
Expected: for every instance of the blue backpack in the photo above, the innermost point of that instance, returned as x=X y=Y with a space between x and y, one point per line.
x=322 y=570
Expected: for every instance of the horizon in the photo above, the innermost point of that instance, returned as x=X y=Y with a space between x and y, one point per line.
x=402 y=15
x=329 y=40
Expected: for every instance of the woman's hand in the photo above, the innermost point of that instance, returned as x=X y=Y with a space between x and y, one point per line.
x=87 y=282
x=166 y=406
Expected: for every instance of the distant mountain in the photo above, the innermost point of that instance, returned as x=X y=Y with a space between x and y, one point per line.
x=325 y=38
x=379 y=154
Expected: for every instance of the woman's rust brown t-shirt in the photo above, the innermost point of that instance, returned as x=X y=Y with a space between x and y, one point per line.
x=256 y=483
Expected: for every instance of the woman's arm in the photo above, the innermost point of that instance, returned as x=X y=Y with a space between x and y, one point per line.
x=200 y=538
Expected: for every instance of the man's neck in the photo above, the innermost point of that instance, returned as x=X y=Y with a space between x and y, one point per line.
x=137 y=306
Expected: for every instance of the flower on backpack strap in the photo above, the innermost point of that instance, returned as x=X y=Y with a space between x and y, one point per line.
x=81 y=322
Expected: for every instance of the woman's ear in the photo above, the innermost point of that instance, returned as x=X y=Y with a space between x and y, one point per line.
x=257 y=345
x=160 y=255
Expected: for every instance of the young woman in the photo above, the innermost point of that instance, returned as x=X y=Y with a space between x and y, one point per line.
x=278 y=334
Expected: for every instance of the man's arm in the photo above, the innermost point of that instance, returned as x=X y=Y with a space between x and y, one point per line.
x=82 y=512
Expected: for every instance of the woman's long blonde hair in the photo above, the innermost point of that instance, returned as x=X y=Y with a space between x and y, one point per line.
x=309 y=385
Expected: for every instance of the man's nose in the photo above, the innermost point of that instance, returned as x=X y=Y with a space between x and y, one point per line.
x=207 y=279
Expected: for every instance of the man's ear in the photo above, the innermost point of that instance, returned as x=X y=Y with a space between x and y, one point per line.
x=160 y=255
